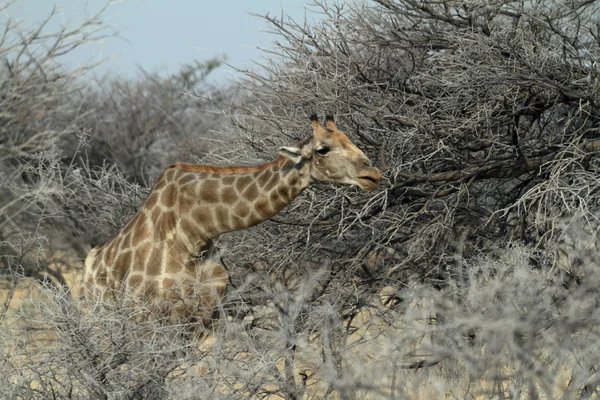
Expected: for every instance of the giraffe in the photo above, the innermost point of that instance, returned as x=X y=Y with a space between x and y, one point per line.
x=165 y=253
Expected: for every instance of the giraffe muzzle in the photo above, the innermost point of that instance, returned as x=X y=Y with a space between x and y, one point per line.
x=368 y=180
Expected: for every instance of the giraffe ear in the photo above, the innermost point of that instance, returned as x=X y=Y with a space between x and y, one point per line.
x=293 y=153
x=330 y=123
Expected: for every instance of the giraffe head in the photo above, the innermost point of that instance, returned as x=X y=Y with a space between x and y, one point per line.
x=334 y=158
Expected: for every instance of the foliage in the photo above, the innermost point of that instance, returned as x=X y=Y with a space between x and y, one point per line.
x=37 y=118
x=484 y=120
x=472 y=272
x=145 y=123
x=483 y=117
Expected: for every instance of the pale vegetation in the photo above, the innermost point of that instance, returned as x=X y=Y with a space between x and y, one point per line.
x=472 y=272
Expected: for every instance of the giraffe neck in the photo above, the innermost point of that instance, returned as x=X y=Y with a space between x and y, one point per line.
x=215 y=200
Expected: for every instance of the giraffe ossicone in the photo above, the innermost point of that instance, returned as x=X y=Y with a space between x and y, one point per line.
x=165 y=252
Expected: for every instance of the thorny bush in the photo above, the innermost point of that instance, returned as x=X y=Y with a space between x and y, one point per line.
x=471 y=272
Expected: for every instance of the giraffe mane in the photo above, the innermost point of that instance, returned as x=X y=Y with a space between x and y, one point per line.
x=240 y=169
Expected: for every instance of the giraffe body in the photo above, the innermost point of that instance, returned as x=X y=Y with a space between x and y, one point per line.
x=165 y=252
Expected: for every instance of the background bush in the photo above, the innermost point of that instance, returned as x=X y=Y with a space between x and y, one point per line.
x=470 y=273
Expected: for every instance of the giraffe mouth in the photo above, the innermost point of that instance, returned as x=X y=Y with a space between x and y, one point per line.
x=368 y=183
x=368 y=178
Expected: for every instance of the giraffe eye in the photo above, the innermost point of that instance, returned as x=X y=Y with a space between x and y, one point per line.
x=323 y=150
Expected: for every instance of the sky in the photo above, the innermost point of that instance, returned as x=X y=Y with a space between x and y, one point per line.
x=160 y=35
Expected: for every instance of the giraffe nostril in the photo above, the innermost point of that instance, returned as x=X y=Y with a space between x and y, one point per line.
x=367 y=164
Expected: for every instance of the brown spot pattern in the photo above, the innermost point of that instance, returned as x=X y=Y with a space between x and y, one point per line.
x=97 y=262
x=139 y=259
x=159 y=184
x=186 y=227
x=228 y=195
x=209 y=191
x=190 y=267
x=222 y=217
x=151 y=289
x=151 y=201
x=264 y=178
x=283 y=193
x=102 y=278
x=203 y=217
x=263 y=208
x=228 y=180
x=251 y=192
x=237 y=221
x=173 y=267
x=167 y=283
x=135 y=280
x=185 y=204
x=271 y=184
x=160 y=232
x=186 y=178
x=243 y=182
x=169 y=220
x=153 y=267
x=126 y=243
x=274 y=196
x=140 y=231
x=242 y=210
x=109 y=252
x=169 y=195
x=124 y=261
x=129 y=227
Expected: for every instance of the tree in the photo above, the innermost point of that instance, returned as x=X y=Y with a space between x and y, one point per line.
x=145 y=123
x=472 y=272
x=484 y=119
x=37 y=117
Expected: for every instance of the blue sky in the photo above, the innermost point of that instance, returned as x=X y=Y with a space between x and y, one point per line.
x=160 y=35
